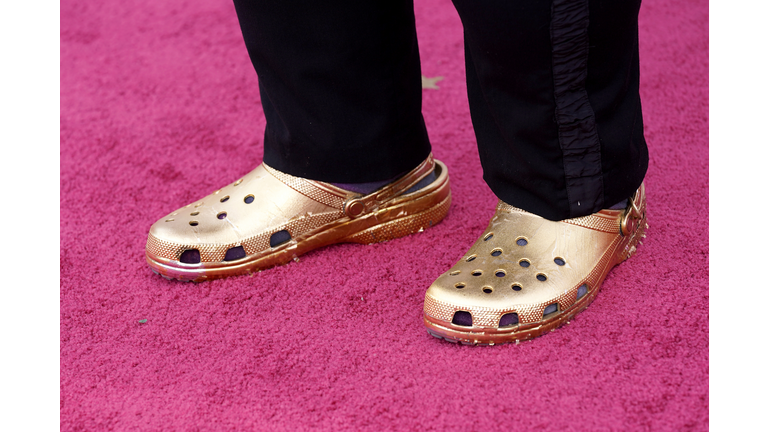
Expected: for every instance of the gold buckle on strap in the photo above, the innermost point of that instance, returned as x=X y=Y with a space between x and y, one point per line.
x=632 y=214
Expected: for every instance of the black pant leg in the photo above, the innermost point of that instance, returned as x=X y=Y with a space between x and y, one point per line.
x=340 y=85
x=553 y=92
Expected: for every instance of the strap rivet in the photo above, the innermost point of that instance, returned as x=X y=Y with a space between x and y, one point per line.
x=354 y=208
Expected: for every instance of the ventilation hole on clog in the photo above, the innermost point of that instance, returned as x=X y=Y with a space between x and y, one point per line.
x=500 y=273
x=222 y=215
x=169 y=220
x=190 y=256
x=524 y=263
x=279 y=238
x=217 y=192
x=224 y=199
x=235 y=253
x=559 y=261
x=460 y=285
x=477 y=272
x=488 y=237
x=541 y=276
x=582 y=290
x=198 y=204
x=471 y=257
x=521 y=241
x=462 y=318
x=487 y=290
x=496 y=252
x=238 y=182
x=194 y=213
x=550 y=309
x=454 y=273
x=249 y=199
x=193 y=223
x=508 y=320
x=517 y=287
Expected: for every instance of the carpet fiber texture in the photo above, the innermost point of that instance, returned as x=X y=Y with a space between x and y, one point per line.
x=160 y=106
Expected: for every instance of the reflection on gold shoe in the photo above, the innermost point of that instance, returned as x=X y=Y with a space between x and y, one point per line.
x=527 y=275
x=268 y=218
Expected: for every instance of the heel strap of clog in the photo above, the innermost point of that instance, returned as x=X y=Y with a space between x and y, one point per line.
x=351 y=204
x=357 y=206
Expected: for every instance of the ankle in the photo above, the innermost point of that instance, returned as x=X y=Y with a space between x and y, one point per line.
x=366 y=188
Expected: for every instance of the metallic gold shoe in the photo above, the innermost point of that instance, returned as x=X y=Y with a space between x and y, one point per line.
x=527 y=275
x=268 y=218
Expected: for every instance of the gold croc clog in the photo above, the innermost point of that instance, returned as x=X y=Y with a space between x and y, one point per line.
x=268 y=218
x=527 y=275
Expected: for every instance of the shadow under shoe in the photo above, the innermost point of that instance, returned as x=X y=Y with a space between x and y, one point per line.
x=527 y=275
x=268 y=218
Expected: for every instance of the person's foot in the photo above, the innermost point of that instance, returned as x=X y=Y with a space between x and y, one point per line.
x=268 y=218
x=527 y=275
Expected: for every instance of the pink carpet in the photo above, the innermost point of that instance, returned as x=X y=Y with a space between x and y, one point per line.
x=159 y=106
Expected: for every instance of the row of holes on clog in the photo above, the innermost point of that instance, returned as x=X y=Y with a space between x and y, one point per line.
x=464 y=318
x=220 y=215
x=192 y=256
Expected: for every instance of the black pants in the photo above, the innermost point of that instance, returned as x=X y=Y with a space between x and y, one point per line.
x=552 y=86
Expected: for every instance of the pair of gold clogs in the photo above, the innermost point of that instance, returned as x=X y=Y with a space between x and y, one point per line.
x=524 y=276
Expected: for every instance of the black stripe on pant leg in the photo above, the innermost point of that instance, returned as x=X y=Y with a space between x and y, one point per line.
x=577 y=129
